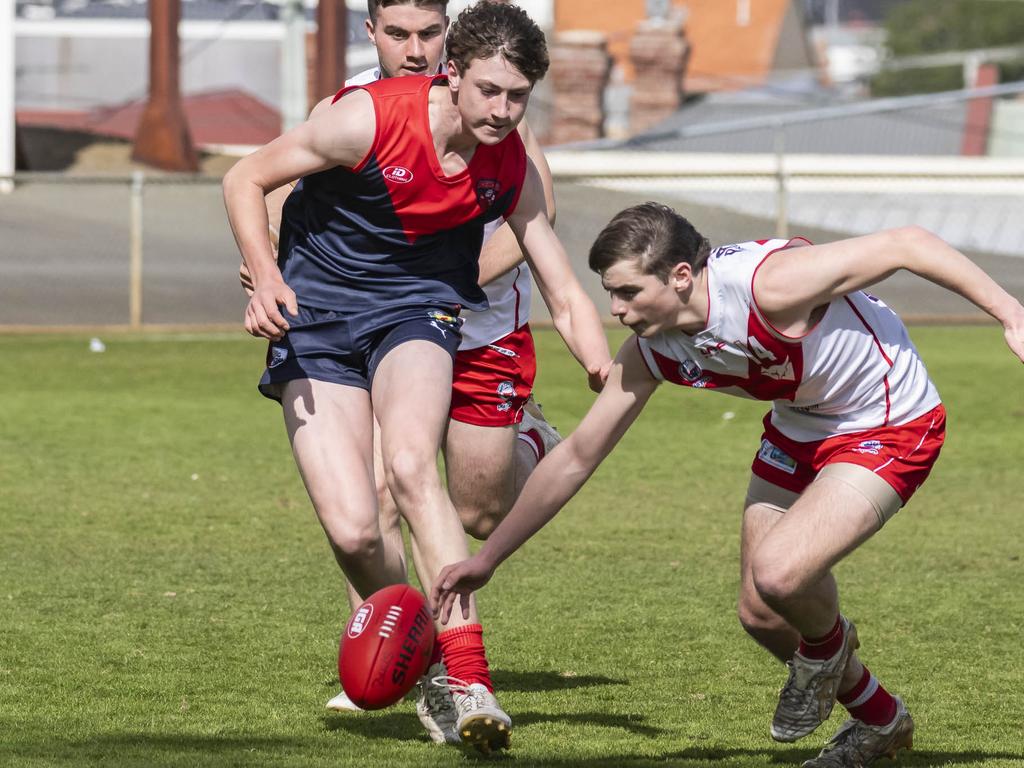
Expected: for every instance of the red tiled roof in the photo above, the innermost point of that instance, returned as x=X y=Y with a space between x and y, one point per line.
x=219 y=117
x=725 y=55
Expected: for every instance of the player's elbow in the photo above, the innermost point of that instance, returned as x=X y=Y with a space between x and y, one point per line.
x=913 y=241
x=235 y=180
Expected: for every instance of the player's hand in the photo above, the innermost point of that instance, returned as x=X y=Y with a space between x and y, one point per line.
x=596 y=379
x=245 y=279
x=263 y=316
x=462 y=579
x=1013 y=332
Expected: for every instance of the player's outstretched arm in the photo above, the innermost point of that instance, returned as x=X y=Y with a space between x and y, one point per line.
x=791 y=283
x=555 y=480
x=501 y=252
x=341 y=135
x=573 y=313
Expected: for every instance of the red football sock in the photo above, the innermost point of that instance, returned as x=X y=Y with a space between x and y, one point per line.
x=822 y=647
x=868 y=701
x=464 y=655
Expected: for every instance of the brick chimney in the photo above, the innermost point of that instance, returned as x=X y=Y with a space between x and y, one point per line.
x=580 y=68
x=979 y=114
x=658 y=52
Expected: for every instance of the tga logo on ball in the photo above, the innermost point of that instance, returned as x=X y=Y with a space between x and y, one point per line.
x=360 y=620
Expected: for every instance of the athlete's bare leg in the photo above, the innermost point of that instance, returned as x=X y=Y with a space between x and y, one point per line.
x=481 y=467
x=411 y=394
x=330 y=427
x=789 y=566
x=764 y=625
x=390 y=520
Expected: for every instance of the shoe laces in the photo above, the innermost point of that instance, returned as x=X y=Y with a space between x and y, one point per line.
x=793 y=694
x=438 y=696
x=848 y=740
x=473 y=698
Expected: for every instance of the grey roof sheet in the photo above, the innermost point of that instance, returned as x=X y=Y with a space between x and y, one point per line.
x=936 y=130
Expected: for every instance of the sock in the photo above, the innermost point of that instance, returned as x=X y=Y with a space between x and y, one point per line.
x=464 y=655
x=868 y=701
x=822 y=647
x=533 y=439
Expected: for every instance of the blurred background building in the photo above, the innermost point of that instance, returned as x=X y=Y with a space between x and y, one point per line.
x=761 y=117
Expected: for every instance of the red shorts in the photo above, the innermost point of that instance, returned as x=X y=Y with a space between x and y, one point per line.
x=491 y=383
x=902 y=456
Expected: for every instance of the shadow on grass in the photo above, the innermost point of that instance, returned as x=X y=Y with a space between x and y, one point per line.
x=153 y=749
x=398 y=726
x=533 y=681
x=546 y=680
x=697 y=757
x=182 y=749
x=404 y=726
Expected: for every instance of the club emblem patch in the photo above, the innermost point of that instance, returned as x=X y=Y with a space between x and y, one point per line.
x=487 y=191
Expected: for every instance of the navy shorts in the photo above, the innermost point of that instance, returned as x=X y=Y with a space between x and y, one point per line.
x=343 y=348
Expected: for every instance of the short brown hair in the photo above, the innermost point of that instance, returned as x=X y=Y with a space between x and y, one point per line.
x=653 y=235
x=489 y=28
x=372 y=6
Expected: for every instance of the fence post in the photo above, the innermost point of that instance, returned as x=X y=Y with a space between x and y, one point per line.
x=781 y=201
x=135 y=252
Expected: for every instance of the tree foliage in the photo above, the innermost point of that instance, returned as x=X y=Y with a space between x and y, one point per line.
x=934 y=26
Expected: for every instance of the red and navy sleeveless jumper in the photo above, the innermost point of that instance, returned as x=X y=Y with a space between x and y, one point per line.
x=395 y=229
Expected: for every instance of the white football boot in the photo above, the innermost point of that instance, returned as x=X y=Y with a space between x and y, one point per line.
x=435 y=706
x=342 y=703
x=481 y=720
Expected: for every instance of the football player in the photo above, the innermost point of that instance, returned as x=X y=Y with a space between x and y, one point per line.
x=379 y=244
x=855 y=428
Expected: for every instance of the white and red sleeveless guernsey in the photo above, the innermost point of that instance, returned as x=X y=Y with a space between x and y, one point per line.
x=855 y=370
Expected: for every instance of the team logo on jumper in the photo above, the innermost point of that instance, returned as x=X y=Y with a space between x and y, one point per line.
x=689 y=369
x=874 y=447
x=398 y=174
x=774 y=456
x=487 y=191
x=277 y=356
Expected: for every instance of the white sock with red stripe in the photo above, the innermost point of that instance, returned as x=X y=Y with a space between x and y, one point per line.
x=533 y=439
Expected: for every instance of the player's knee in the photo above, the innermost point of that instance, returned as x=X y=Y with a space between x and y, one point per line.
x=755 y=619
x=775 y=582
x=356 y=543
x=480 y=522
x=410 y=473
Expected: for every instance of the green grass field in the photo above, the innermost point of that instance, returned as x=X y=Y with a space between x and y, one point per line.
x=167 y=598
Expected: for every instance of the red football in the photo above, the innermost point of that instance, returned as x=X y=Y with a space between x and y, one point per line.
x=386 y=646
